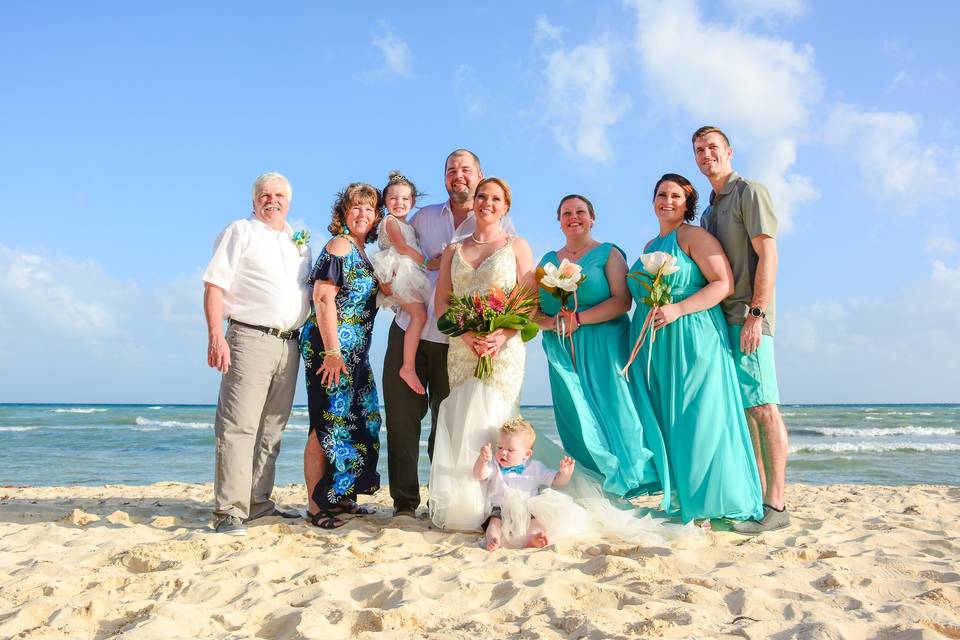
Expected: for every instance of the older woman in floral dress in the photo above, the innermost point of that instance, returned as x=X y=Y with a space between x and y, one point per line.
x=340 y=458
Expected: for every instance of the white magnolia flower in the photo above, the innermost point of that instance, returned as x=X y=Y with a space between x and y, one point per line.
x=654 y=260
x=565 y=277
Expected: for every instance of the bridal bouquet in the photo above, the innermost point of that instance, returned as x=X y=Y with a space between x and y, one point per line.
x=485 y=313
x=562 y=282
x=657 y=265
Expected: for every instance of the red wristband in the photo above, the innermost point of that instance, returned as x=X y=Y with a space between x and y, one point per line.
x=576 y=315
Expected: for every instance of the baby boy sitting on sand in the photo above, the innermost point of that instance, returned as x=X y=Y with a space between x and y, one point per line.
x=510 y=478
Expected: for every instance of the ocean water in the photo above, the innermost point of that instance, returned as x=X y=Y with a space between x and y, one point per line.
x=51 y=444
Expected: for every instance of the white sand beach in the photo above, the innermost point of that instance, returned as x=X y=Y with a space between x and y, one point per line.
x=139 y=562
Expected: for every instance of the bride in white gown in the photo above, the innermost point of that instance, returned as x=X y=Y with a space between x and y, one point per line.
x=475 y=409
x=473 y=412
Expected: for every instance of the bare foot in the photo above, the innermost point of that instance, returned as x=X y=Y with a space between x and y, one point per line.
x=493 y=542
x=408 y=375
x=538 y=540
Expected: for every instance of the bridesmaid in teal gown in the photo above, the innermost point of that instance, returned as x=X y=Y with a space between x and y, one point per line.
x=597 y=421
x=689 y=378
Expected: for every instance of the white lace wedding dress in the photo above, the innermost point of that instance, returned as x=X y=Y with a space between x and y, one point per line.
x=473 y=412
x=471 y=417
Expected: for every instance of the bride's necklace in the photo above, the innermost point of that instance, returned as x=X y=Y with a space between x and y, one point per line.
x=473 y=236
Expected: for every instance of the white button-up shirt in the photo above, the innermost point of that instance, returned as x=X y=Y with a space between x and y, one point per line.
x=262 y=273
x=535 y=476
x=435 y=230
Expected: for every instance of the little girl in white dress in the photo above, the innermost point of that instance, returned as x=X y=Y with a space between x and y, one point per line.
x=401 y=264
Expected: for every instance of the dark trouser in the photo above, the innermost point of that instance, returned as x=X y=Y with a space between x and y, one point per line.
x=405 y=409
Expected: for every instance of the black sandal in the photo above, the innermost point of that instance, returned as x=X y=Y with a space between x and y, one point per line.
x=351 y=508
x=325 y=519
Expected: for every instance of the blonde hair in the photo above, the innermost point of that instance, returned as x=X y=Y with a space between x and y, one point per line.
x=519 y=427
x=500 y=182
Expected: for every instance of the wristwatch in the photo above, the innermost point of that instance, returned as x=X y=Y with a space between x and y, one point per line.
x=757 y=312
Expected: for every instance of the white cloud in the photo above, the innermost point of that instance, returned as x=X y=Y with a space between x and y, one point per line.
x=875 y=349
x=77 y=333
x=581 y=100
x=888 y=148
x=65 y=295
x=941 y=244
x=760 y=90
x=769 y=11
x=949 y=278
x=464 y=81
x=396 y=53
x=901 y=78
x=545 y=31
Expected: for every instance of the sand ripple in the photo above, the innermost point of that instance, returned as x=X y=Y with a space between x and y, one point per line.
x=80 y=562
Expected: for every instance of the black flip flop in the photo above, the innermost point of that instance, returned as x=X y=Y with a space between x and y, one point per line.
x=351 y=508
x=325 y=519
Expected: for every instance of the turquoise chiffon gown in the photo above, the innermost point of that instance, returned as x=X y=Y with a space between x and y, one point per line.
x=598 y=422
x=692 y=387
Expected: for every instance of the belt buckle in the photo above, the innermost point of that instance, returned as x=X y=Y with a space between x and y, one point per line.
x=272 y=331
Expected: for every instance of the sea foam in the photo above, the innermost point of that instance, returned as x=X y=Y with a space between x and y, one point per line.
x=874 y=447
x=174 y=424
x=79 y=410
x=879 y=432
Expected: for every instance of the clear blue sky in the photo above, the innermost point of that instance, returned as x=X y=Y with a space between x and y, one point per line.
x=130 y=134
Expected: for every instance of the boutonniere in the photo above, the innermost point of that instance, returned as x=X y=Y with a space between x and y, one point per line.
x=302 y=240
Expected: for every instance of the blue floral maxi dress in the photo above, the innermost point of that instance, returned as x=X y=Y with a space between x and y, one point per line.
x=345 y=418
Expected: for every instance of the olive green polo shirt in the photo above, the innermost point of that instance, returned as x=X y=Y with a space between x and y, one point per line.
x=740 y=211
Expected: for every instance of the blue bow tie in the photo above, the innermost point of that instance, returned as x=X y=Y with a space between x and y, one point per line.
x=517 y=469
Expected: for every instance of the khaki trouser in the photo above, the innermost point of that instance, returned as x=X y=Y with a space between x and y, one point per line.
x=256 y=395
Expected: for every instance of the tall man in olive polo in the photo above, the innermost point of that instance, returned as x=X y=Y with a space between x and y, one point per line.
x=255 y=280
x=741 y=217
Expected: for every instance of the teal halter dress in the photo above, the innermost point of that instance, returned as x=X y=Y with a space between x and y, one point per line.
x=598 y=422
x=690 y=381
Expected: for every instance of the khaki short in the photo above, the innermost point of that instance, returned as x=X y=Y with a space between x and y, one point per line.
x=757 y=372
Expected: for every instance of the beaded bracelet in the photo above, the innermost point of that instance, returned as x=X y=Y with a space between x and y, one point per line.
x=426 y=261
x=576 y=315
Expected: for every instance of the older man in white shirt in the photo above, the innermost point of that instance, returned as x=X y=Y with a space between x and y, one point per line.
x=437 y=225
x=256 y=281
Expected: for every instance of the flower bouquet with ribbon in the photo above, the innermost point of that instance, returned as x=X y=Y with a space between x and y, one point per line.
x=657 y=265
x=485 y=313
x=562 y=283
